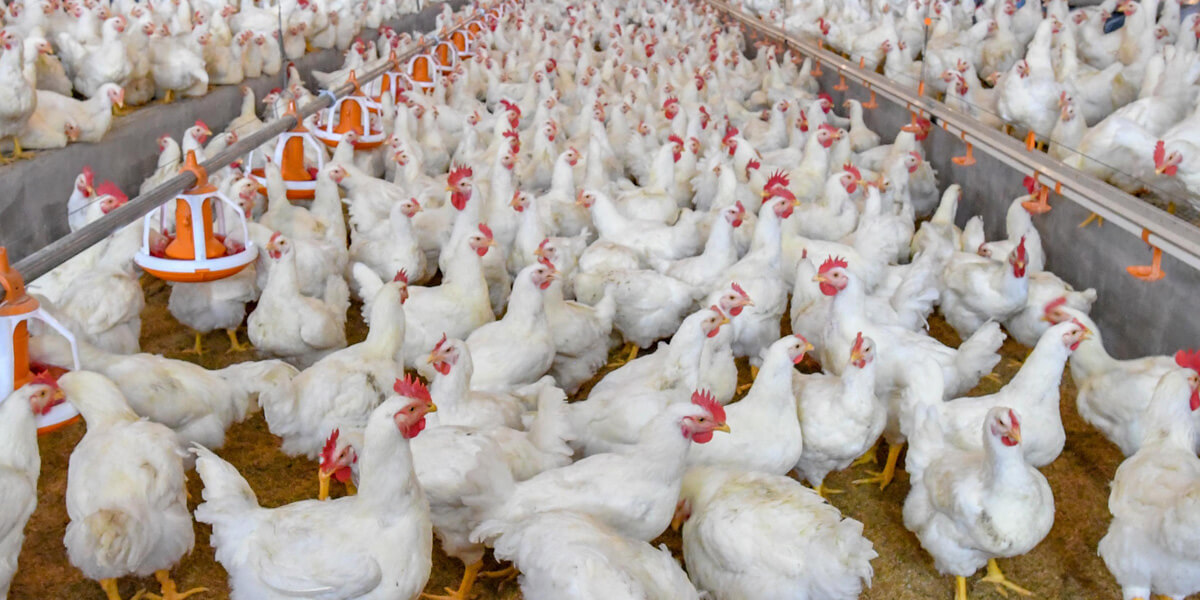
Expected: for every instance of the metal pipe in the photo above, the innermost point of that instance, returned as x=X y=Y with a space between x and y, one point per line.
x=59 y=251
x=1173 y=235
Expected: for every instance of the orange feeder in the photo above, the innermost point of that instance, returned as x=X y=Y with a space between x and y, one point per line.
x=445 y=56
x=422 y=73
x=300 y=182
x=196 y=254
x=16 y=310
x=462 y=43
x=393 y=82
x=352 y=113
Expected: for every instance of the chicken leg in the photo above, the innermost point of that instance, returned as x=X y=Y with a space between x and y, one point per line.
x=960 y=588
x=825 y=492
x=870 y=456
x=168 y=588
x=1092 y=217
x=110 y=589
x=323 y=483
x=169 y=97
x=464 y=588
x=996 y=578
x=18 y=153
x=198 y=349
x=234 y=344
x=885 y=477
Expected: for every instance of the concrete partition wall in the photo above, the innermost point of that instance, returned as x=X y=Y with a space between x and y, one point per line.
x=1137 y=318
x=34 y=192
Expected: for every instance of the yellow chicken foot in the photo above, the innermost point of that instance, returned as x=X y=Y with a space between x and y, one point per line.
x=889 y=469
x=169 y=97
x=350 y=489
x=504 y=573
x=1092 y=217
x=110 y=589
x=996 y=578
x=630 y=350
x=870 y=456
x=122 y=110
x=993 y=377
x=234 y=344
x=464 y=589
x=18 y=152
x=753 y=372
x=168 y=588
x=960 y=588
x=198 y=349
x=827 y=492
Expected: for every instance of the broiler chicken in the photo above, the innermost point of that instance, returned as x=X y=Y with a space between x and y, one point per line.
x=519 y=348
x=375 y=545
x=288 y=324
x=20 y=465
x=801 y=547
x=125 y=495
x=1150 y=545
x=970 y=507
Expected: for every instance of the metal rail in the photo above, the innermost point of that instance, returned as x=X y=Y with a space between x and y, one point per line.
x=1172 y=235
x=59 y=251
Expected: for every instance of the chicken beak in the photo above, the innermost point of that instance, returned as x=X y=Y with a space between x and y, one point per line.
x=722 y=427
x=435 y=356
x=1014 y=433
x=808 y=347
x=432 y=408
x=724 y=320
x=539 y=252
x=747 y=302
x=819 y=278
x=1159 y=170
x=449 y=188
x=677 y=521
x=1086 y=335
x=491 y=242
x=855 y=355
x=323 y=478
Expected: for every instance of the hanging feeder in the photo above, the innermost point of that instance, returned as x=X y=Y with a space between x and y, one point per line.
x=16 y=310
x=422 y=72
x=445 y=56
x=195 y=254
x=463 y=43
x=300 y=182
x=393 y=82
x=352 y=113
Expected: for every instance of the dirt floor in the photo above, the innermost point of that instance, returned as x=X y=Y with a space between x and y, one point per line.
x=1065 y=565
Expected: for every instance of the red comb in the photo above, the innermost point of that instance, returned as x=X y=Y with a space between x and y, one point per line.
x=858 y=342
x=1030 y=183
x=201 y=123
x=1053 y=304
x=458 y=173
x=88 y=174
x=109 y=188
x=441 y=342
x=483 y=228
x=753 y=164
x=44 y=378
x=777 y=179
x=411 y=387
x=831 y=263
x=276 y=235
x=705 y=399
x=1160 y=152
x=741 y=209
x=330 y=446
x=737 y=288
x=1188 y=359
x=853 y=170
x=401 y=275
x=1021 y=248
x=675 y=139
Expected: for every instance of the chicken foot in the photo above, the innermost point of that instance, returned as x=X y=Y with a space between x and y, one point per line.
x=18 y=153
x=198 y=349
x=996 y=578
x=234 y=344
x=169 y=97
x=1099 y=220
x=825 y=492
x=110 y=589
x=870 y=456
x=884 y=477
x=169 y=592
x=464 y=588
x=324 y=478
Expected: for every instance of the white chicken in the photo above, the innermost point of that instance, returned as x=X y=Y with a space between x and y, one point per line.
x=801 y=547
x=125 y=491
x=519 y=348
x=375 y=545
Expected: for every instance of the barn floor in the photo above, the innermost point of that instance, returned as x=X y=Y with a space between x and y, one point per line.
x=1064 y=566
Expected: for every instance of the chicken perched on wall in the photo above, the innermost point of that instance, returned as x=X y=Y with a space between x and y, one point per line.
x=125 y=491
x=376 y=544
x=802 y=548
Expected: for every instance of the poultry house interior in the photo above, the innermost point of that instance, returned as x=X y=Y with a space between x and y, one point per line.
x=564 y=300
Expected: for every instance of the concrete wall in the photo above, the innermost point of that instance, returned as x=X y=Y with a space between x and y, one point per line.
x=34 y=192
x=1137 y=318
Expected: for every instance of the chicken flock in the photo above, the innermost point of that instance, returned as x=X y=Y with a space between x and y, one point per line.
x=1109 y=88
x=593 y=175
x=65 y=66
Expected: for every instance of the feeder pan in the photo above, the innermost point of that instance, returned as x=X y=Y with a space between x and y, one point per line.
x=445 y=56
x=422 y=73
x=352 y=113
x=301 y=184
x=195 y=256
x=16 y=310
x=393 y=82
x=474 y=29
x=461 y=40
